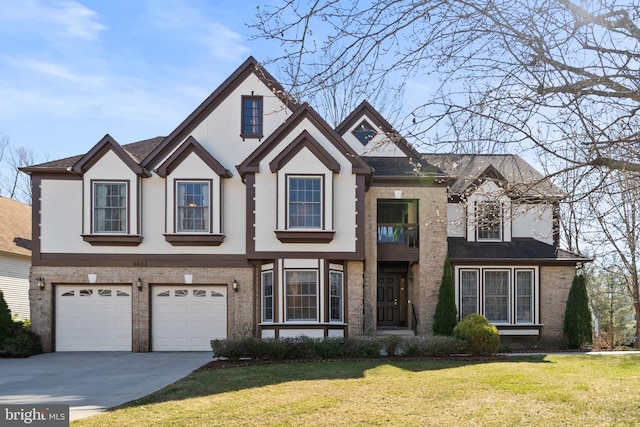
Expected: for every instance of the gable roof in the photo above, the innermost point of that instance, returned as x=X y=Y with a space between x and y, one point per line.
x=136 y=150
x=251 y=164
x=191 y=145
x=509 y=170
x=15 y=227
x=392 y=135
x=106 y=144
x=250 y=66
x=304 y=140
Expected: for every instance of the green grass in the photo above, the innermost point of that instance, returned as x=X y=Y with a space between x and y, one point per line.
x=540 y=390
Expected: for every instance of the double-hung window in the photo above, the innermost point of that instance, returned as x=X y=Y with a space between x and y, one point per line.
x=489 y=220
x=304 y=202
x=251 y=117
x=267 y=296
x=336 y=290
x=301 y=295
x=110 y=207
x=193 y=207
x=502 y=295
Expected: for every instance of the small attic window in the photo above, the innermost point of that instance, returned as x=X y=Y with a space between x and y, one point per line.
x=364 y=132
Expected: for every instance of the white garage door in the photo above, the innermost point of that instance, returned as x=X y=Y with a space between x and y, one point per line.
x=93 y=318
x=187 y=318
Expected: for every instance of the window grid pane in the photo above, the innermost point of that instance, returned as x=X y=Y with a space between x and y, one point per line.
x=468 y=293
x=267 y=296
x=301 y=295
x=489 y=219
x=305 y=202
x=251 y=116
x=335 y=296
x=496 y=296
x=110 y=208
x=193 y=206
x=524 y=296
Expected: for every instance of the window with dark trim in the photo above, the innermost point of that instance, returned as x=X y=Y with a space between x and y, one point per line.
x=192 y=206
x=364 y=132
x=251 y=117
x=301 y=295
x=502 y=295
x=336 y=290
x=304 y=202
x=110 y=207
x=267 y=296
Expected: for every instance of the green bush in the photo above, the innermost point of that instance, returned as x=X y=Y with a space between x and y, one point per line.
x=446 y=315
x=435 y=346
x=16 y=340
x=577 y=318
x=482 y=337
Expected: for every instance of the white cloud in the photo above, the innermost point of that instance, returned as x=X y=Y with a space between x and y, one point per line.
x=64 y=19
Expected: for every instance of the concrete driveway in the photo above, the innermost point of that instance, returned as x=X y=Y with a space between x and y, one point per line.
x=91 y=382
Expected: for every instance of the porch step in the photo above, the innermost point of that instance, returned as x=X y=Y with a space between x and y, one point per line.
x=398 y=332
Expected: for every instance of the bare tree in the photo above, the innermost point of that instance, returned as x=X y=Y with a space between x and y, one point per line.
x=13 y=183
x=553 y=74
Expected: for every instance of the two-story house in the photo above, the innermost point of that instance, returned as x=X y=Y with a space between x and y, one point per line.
x=255 y=217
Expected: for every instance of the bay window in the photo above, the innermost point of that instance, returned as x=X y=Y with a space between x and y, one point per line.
x=301 y=295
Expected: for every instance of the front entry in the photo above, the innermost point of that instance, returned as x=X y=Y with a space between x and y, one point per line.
x=391 y=300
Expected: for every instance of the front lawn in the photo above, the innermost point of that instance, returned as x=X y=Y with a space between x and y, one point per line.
x=534 y=390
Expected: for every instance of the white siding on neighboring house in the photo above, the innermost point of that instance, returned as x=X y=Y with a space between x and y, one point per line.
x=14 y=284
x=533 y=220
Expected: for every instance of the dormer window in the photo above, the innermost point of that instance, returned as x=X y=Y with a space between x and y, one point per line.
x=110 y=207
x=251 y=117
x=364 y=132
x=192 y=203
x=305 y=202
x=489 y=221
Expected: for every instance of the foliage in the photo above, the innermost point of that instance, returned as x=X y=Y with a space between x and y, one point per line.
x=332 y=348
x=577 y=319
x=16 y=340
x=482 y=337
x=446 y=315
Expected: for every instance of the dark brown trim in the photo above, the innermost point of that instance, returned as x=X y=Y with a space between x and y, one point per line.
x=250 y=66
x=36 y=215
x=251 y=135
x=106 y=144
x=250 y=213
x=194 y=239
x=175 y=206
x=92 y=206
x=191 y=145
x=291 y=236
x=112 y=239
x=252 y=163
x=316 y=254
x=140 y=260
x=304 y=140
x=411 y=181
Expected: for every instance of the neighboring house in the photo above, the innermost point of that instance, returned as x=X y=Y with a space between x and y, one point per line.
x=255 y=217
x=15 y=255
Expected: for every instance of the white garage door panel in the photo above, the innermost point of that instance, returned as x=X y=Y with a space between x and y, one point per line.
x=187 y=318
x=93 y=318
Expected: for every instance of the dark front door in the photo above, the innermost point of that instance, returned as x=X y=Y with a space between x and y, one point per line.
x=388 y=305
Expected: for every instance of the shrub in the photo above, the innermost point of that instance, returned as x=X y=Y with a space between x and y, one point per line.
x=446 y=315
x=435 y=346
x=480 y=335
x=577 y=318
x=15 y=338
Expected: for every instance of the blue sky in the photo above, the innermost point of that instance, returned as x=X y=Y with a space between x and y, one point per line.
x=74 y=70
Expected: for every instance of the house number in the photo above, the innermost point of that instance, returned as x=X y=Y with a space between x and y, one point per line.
x=139 y=263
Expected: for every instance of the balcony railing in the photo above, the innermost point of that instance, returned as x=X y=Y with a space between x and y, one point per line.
x=406 y=234
x=398 y=242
